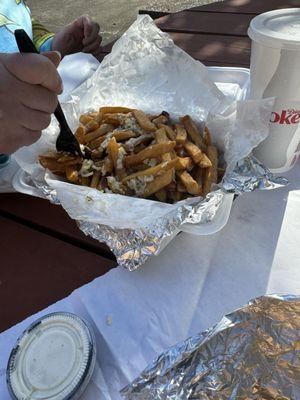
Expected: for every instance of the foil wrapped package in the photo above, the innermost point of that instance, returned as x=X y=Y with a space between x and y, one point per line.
x=250 y=354
x=146 y=70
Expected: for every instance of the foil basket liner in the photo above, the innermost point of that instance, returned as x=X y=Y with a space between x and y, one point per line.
x=133 y=247
x=251 y=354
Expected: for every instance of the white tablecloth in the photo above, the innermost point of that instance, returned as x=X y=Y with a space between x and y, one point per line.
x=184 y=290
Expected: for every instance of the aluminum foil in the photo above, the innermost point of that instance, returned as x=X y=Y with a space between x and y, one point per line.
x=147 y=70
x=251 y=354
x=132 y=247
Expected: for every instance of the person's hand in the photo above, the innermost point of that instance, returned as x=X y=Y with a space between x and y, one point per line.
x=29 y=85
x=80 y=35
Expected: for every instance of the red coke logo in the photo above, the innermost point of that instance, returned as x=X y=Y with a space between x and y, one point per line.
x=286 y=117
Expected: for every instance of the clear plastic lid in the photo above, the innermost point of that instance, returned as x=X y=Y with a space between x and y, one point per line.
x=278 y=28
x=53 y=359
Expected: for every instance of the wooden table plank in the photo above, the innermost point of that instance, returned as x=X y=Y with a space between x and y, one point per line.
x=218 y=23
x=37 y=270
x=246 y=6
x=53 y=220
x=214 y=48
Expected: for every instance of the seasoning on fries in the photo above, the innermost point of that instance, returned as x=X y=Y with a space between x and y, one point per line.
x=131 y=153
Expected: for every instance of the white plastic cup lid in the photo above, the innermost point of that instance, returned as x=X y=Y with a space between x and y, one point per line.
x=278 y=28
x=53 y=359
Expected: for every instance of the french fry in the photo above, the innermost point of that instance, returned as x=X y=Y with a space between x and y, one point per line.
x=161 y=137
x=123 y=135
x=170 y=133
x=193 y=131
x=190 y=184
x=152 y=171
x=99 y=117
x=193 y=151
x=132 y=145
x=198 y=175
x=137 y=168
x=51 y=164
x=102 y=130
x=197 y=155
x=144 y=121
x=173 y=154
x=153 y=151
x=102 y=184
x=115 y=154
x=113 y=151
x=207 y=137
x=95 y=180
x=181 y=135
x=95 y=144
x=112 y=119
x=80 y=134
x=184 y=163
x=181 y=188
x=97 y=155
x=171 y=187
x=174 y=196
x=205 y=161
x=115 y=110
x=158 y=183
x=71 y=173
x=139 y=148
x=161 y=195
x=85 y=119
x=161 y=119
x=118 y=135
x=91 y=126
x=210 y=174
x=69 y=159
x=123 y=160
x=85 y=180
x=108 y=166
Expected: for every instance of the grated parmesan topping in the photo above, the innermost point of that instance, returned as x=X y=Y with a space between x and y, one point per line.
x=86 y=167
x=104 y=144
x=131 y=143
x=138 y=185
x=120 y=159
x=131 y=124
x=115 y=185
x=128 y=122
x=97 y=166
x=151 y=163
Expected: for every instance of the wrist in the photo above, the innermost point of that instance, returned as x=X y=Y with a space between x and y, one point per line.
x=57 y=45
x=47 y=45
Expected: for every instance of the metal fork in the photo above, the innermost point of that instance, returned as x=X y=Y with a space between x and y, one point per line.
x=65 y=141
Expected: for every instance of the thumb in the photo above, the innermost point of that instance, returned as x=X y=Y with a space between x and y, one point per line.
x=87 y=25
x=53 y=56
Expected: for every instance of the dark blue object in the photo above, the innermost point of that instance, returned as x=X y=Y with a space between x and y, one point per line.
x=4 y=160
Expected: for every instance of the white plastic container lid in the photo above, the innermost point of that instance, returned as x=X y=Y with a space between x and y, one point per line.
x=278 y=28
x=53 y=359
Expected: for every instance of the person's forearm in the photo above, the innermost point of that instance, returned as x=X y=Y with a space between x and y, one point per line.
x=42 y=37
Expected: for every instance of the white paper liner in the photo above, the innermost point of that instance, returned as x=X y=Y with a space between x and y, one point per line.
x=146 y=70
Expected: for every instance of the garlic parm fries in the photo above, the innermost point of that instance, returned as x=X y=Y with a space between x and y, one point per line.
x=129 y=152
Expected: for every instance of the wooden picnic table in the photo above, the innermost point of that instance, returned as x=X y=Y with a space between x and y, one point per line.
x=44 y=256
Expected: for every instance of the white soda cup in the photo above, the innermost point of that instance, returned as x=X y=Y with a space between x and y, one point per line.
x=275 y=72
